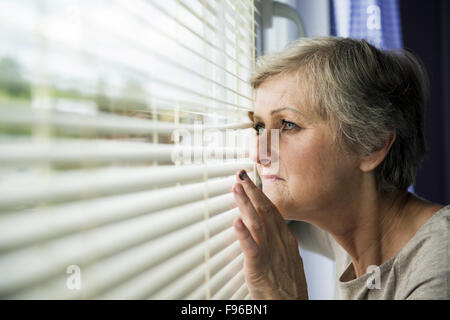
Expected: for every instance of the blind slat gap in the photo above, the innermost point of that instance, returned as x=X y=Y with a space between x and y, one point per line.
x=139 y=14
x=212 y=45
x=114 y=63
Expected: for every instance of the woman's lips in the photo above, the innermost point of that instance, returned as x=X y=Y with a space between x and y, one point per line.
x=271 y=177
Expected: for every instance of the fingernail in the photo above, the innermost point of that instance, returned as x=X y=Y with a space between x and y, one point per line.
x=239 y=188
x=242 y=175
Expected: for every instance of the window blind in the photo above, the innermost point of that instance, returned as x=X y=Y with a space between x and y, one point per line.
x=122 y=125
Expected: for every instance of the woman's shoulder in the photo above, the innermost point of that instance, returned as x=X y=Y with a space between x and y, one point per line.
x=423 y=264
x=438 y=218
x=427 y=222
x=432 y=235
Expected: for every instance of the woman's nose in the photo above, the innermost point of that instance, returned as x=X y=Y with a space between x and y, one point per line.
x=263 y=152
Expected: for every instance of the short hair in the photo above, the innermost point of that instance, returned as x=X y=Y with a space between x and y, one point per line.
x=367 y=93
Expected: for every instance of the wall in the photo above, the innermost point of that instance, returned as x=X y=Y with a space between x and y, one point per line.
x=425 y=29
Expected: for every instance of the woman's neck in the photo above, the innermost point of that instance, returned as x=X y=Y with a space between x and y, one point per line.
x=375 y=227
x=379 y=232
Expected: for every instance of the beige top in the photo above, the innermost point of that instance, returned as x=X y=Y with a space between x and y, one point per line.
x=420 y=270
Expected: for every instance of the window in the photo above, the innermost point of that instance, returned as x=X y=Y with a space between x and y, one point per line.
x=122 y=124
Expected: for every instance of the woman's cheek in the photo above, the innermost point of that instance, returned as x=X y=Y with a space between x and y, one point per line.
x=305 y=176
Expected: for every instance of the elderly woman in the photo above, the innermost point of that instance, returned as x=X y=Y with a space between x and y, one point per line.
x=350 y=125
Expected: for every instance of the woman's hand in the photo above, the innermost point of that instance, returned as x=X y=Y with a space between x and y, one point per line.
x=272 y=263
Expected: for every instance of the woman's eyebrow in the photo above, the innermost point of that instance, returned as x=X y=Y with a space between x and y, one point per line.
x=256 y=117
x=286 y=108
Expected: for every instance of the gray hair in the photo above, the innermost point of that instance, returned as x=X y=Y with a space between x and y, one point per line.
x=367 y=94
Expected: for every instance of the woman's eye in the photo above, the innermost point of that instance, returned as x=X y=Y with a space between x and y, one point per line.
x=288 y=125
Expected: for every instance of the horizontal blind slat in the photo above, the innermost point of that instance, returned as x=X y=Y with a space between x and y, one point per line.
x=126 y=67
x=86 y=216
x=217 y=281
x=150 y=51
x=209 y=43
x=241 y=293
x=106 y=151
x=139 y=14
x=34 y=265
x=107 y=182
x=233 y=285
x=136 y=232
x=31 y=228
x=245 y=36
x=99 y=124
x=152 y=281
x=244 y=23
x=215 y=29
x=191 y=280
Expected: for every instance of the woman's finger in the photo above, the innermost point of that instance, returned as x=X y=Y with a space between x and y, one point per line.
x=252 y=220
x=248 y=245
x=262 y=208
x=260 y=202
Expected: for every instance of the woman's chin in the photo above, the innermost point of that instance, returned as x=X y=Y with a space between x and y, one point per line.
x=278 y=199
x=272 y=193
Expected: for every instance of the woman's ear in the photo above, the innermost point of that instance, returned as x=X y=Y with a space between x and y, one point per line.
x=371 y=161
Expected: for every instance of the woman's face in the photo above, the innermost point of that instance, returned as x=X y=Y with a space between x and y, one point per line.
x=315 y=175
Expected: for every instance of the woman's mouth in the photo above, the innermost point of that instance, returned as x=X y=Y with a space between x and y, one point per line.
x=271 y=178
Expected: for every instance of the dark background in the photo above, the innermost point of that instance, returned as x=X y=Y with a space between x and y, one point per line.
x=426 y=32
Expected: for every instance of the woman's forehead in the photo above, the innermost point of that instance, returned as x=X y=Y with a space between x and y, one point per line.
x=281 y=92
